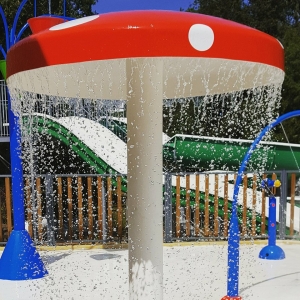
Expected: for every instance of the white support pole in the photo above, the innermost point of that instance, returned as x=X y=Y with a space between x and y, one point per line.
x=145 y=206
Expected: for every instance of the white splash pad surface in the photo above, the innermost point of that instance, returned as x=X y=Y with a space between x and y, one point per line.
x=190 y=273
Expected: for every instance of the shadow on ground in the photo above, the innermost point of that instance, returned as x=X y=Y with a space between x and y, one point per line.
x=104 y=256
x=50 y=259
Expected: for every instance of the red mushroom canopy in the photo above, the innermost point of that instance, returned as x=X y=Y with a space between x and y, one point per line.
x=221 y=55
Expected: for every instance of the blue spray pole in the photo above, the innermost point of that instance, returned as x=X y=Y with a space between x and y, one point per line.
x=234 y=235
x=271 y=251
x=20 y=259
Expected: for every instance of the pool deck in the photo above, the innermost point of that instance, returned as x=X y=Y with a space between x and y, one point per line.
x=191 y=271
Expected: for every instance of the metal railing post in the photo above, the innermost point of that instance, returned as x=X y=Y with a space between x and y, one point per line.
x=104 y=222
x=282 y=205
x=50 y=210
x=168 y=208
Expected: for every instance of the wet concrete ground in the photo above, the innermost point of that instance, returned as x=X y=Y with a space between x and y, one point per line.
x=196 y=271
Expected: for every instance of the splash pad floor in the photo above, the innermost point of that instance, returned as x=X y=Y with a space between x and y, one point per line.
x=191 y=271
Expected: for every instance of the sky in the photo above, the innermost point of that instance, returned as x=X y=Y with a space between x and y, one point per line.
x=104 y=6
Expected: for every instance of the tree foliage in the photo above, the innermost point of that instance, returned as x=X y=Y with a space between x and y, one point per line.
x=230 y=9
x=280 y=19
x=74 y=9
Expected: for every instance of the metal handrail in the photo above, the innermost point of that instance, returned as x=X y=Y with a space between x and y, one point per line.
x=4 y=123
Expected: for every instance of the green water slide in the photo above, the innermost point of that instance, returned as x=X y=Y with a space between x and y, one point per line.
x=117 y=125
x=201 y=153
x=52 y=127
x=69 y=136
x=198 y=153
